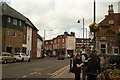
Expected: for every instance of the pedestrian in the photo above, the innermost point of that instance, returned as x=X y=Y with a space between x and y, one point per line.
x=77 y=64
x=85 y=58
x=93 y=66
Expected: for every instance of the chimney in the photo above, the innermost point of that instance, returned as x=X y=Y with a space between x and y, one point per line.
x=66 y=33
x=110 y=10
x=72 y=34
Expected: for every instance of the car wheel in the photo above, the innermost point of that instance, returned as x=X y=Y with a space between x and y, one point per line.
x=29 y=60
x=5 y=61
x=22 y=59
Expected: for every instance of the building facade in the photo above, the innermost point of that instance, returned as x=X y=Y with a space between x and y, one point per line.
x=62 y=44
x=18 y=32
x=106 y=37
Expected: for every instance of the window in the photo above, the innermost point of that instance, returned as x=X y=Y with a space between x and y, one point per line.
x=14 y=34
x=20 y=23
x=8 y=33
x=17 y=49
x=46 y=42
x=9 y=19
x=55 y=41
x=103 y=48
x=102 y=38
x=15 y=21
x=51 y=42
x=24 y=37
x=63 y=40
x=28 y=37
x=111 y=21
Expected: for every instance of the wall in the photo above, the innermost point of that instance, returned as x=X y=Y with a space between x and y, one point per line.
x=29 y=40
x=39 y=48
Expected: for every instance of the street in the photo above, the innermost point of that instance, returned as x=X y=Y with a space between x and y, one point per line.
x=41 y=68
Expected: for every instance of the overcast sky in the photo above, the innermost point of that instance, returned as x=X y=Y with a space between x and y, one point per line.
x=62 y=15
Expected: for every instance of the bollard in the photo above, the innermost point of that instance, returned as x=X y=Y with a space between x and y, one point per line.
x=70 y=65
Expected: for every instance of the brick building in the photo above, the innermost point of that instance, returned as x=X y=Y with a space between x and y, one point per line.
x=18 y=32
x=62 y=44
x=106 y=37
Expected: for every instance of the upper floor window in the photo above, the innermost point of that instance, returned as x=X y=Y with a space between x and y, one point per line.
x=46 y=42
x=15 y=21
x=102 y=38
x=63 y=40
x=55 y=41
x=51 y=42
x=119 y=28
x=20 y=23
x=9 y=19
x=14 y=34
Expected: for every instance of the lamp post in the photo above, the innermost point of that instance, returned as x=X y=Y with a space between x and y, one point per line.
x=44 y=41
x=83 y=30
x=94 y=36
x=86 y=35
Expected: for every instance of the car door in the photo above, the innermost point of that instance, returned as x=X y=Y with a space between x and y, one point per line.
x=10 y=57
x=24 y=56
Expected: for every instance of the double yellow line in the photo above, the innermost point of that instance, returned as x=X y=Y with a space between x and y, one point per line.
x=59 y=71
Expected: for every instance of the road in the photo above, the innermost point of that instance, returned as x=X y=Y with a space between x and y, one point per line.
x=41 y=68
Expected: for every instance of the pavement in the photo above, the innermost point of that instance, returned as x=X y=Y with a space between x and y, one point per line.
x=63 y=74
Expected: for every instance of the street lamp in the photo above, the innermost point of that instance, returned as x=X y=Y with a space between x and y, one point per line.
x=83 y=30
x=86 y=35
x=44 y=41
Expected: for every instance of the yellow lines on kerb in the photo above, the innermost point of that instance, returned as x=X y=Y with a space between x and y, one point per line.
x=59 y=71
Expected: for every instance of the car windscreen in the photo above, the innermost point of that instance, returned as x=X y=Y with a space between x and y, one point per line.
x=16 y=54
x=4 y=54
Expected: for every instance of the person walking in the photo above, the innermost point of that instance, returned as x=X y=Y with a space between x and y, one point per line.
x=77 y=64
x=85 y=58
x=93 y=66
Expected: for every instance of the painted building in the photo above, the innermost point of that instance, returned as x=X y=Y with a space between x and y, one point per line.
x=39 y=46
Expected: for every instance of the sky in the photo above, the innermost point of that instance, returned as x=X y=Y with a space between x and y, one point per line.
x=54 y=17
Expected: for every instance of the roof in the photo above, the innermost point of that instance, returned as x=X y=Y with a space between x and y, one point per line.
x=40 y=37
x=9 y=11
x=115 y=16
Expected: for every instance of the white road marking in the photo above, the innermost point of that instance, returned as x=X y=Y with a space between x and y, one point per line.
x=24 y=76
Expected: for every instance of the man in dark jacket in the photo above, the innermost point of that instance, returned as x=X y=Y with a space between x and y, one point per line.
x=93 y=66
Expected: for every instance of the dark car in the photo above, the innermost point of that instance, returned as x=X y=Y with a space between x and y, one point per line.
x=61 y=57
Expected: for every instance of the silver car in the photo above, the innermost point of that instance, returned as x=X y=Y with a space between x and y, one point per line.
x=21 y=57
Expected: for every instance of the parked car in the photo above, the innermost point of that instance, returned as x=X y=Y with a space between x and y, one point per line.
x=61 y=57
x=21 y=57
x=7 y=57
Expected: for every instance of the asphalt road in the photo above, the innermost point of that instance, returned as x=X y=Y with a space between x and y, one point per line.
x=41 y=68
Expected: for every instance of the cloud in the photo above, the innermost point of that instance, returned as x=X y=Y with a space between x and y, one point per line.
x=61 y=15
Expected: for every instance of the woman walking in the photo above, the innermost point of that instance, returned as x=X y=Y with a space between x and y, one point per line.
x=77 y=64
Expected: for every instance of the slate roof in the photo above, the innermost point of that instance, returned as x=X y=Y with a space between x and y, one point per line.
x=9 y=11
